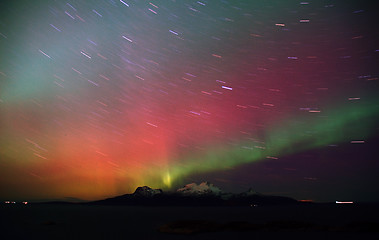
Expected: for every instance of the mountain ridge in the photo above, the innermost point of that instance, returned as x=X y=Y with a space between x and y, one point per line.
x=203 y=194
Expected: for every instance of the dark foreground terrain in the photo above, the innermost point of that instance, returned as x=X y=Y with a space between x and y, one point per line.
x=74 y=221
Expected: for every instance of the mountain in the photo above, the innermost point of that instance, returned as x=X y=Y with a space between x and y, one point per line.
x=249 y=192
x=204 y=194
x=146 y=191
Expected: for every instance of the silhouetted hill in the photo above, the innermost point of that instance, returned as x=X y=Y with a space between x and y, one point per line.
x=205 y=194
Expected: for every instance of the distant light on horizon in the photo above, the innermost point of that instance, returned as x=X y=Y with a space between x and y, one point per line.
x=339 y=202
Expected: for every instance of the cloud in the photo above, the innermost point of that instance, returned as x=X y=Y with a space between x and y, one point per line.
x=202 y=188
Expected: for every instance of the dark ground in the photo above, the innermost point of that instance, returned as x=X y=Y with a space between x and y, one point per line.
x=313 y=221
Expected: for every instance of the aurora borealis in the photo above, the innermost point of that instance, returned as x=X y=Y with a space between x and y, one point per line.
x=99 y=97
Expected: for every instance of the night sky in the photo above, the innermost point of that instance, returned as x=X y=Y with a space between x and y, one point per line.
x=100 y=97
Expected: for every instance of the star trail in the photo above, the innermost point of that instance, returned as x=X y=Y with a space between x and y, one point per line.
x=99 y=97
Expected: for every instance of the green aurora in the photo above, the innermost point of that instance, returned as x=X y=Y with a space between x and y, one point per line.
x=292 y=136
